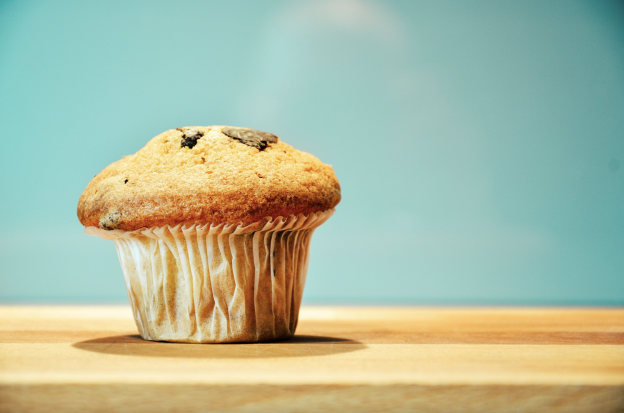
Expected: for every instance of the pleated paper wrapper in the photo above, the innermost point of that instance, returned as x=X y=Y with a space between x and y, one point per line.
x=216 y=284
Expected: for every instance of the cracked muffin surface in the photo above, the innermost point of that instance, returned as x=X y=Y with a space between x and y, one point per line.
x=208 y=175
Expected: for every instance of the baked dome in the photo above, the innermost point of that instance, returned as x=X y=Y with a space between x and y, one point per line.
x=208 y=175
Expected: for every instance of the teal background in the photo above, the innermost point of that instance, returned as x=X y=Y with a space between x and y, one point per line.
x=479 y=144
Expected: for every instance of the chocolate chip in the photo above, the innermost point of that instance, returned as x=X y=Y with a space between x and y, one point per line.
x=126 y=181
x=251 y=137
x=110 y=221
x=190 y=138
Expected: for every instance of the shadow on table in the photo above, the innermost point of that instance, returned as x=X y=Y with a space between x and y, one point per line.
x=297 y=346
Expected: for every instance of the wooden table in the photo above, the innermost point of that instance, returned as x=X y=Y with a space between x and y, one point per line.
x=90 y=359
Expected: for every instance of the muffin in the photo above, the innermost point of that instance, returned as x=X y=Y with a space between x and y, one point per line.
x=212 y=227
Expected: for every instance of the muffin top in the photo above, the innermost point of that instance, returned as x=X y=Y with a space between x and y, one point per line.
x=208 y=175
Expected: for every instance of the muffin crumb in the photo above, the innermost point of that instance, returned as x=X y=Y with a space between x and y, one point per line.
x=110 y=221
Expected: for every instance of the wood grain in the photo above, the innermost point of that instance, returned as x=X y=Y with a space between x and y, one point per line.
x=90 y=359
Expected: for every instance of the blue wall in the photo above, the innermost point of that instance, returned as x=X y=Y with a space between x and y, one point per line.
x=480 y=145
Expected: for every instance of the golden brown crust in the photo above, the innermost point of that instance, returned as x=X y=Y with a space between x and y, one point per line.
x=214 y=179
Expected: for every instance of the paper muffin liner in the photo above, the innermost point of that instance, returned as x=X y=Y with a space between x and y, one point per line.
x=216 y=284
